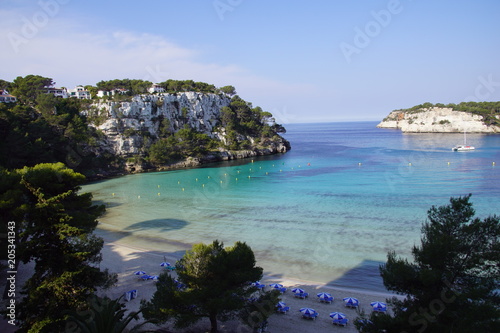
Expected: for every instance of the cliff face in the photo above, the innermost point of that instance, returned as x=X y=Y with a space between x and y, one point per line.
x=437 y=120
x=129 y=127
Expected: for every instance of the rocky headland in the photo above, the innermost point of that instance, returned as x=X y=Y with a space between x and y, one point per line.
x=128 y=128
x=440 y=120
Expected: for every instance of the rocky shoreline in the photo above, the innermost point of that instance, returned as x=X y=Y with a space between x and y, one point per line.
x=437 y=120
x=191 y=162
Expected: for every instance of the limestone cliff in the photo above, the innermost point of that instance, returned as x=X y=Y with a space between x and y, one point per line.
x=129 y=127
x=437 y=120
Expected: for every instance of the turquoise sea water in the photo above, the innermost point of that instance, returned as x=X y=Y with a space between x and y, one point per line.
x=328 y=211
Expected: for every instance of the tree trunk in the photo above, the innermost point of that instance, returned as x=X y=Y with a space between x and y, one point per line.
x=213 y=322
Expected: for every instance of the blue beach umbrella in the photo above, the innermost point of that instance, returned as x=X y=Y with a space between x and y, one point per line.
x=154 y=277
x=351 y=301
x=165 y=264
x=276 y=285
x=308 y=311
x=379 y=305
x=281 y=305
x=298 y=290
x=140 y=273
x=324 y=295
x=338 y=315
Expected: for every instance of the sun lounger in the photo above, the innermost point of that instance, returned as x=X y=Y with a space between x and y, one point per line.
x=340 y=322
x=380 y=310
x=301 y=295
x=326 y=299
x=310 y=316
x=283 y=309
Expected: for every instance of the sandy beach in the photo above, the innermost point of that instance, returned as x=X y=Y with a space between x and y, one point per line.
x=125 y=260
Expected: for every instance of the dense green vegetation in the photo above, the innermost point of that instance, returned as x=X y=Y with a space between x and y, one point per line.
x=452 y=284
x=53 y=131
x=215 y=284
x=54 y=230
x=103 y=315
x=486 y=109
x=41 y=128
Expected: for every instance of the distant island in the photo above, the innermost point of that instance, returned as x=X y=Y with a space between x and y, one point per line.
x=123 y=125
x=471 y=117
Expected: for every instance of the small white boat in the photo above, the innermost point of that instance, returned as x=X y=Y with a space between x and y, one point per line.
x=463 y=147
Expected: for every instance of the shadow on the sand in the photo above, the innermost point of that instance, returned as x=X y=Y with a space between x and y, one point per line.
x=160 y=224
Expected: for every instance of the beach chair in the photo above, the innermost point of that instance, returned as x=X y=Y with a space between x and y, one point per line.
x=282 y=290
x=283 y=309
x=380 y=310
x=310 y=316
x=326 y=299
x=341 y=322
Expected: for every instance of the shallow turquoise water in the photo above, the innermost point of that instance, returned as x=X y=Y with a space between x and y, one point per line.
x=327 y=211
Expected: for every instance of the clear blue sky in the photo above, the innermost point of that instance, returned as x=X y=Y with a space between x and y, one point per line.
x=304 y=61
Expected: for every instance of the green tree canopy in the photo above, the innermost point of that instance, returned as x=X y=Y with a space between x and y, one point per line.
x=452 y=285
x=217 y=285
x=28 y=88
x=55 y=226
x=230 y=90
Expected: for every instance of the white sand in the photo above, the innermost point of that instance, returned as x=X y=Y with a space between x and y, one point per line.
x=126 y=260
